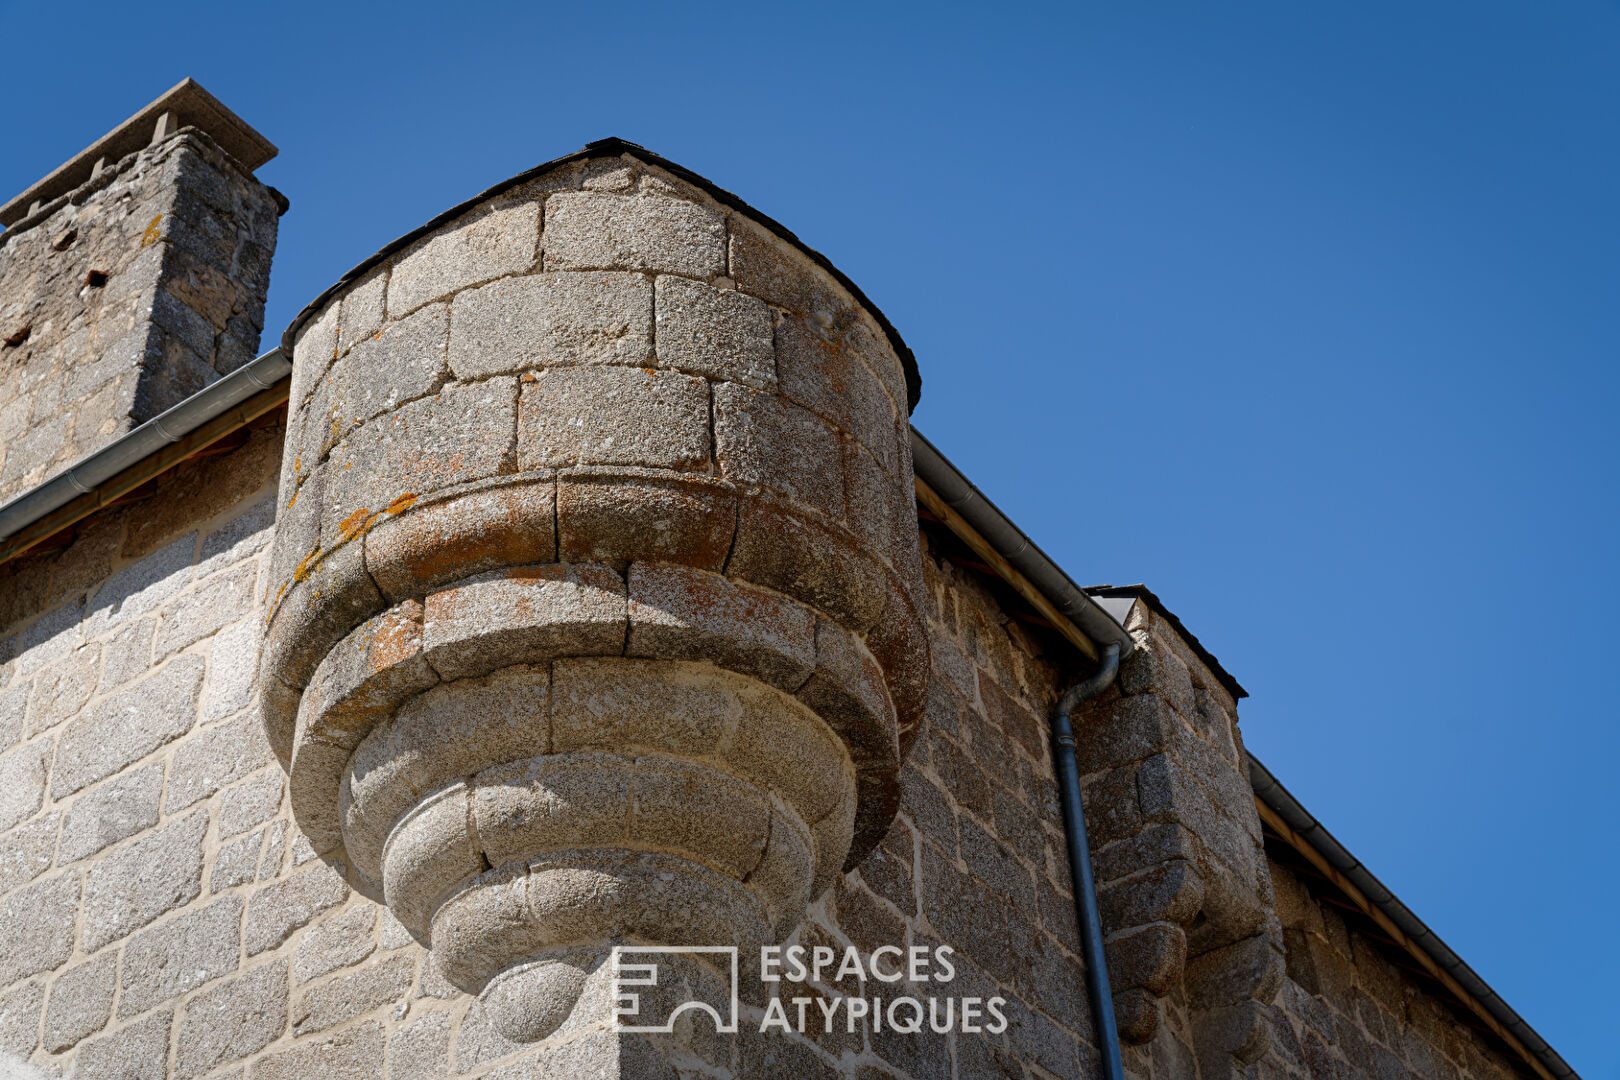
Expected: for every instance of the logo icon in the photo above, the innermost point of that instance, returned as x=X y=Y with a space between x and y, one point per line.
x=631 y=970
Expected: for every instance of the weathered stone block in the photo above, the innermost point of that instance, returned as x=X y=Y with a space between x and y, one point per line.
x=127 y=726
x=763 y=441
x=250 y=803
x=275 y=911
x=613 y=416
x=164 y=962
x=1169 y=892
x=617 y=704
x=552 y=320
x=1148 y=958
x=214 y=757
x=13 y=709
x=339 y=941
x=363 y=679
x=351 y=1054
x=617 y=516
x=700 y=811
x=25 y=852
x=541 y=805
x=445 y=540
x=19 y=1019
x=278 y=713
x=489 y=242
x=680 y=614
x=524 y=615
x=404 y=362
x=353 y=993
x=720 y=333
x=785 y=549
x=194 y=616
x=362 y=311
x=780 y=274
x=61 y=690
x=785 y=747
x=428 y=852
x=847 y=691
x=1123 y=730
x=142 y=880
x=37 y=926
x=458 y=728
x=421 y=1051
x=597 y=231
x=118 y=808
x=22 y=782
x=275 y=848
x=334 y=596
x=814 y=369
x=80 y=1003
x=236 y=863
x=138 y=1051
x=233 y=660
x=460 y=435
x=56 y=634
x=233 y=1020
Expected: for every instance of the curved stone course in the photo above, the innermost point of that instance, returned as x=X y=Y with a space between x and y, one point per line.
x=594 y=604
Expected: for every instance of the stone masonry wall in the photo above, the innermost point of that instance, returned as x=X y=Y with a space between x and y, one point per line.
x=160 y=915
x=164 y=915
x=125 y=296
x=1194 y=950
x=1347 y=1011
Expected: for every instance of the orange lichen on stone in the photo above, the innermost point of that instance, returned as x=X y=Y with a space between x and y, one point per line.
x=354 y=525
x=403 y=503
x=306 y=565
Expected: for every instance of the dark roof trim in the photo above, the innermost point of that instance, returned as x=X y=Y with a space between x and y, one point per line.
x=1270 y=792
x=959 y=493
x=605 y=148
x=1147 y=596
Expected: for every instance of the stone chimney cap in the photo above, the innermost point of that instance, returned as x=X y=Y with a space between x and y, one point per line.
x=184 y=104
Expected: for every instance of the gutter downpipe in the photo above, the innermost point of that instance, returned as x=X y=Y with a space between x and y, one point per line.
x=1085 y=885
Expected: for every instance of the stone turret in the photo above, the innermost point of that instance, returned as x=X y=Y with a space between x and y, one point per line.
x=594 y=606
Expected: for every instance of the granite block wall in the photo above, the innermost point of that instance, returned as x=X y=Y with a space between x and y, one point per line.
x=125 y=296
x=598 y=426
x=162 y=915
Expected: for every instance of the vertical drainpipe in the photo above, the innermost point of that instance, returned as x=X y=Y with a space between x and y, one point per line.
x=1085 y=886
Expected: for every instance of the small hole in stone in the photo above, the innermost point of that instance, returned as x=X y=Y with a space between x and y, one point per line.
x=65 y=241
x=19 y=337
x=96 y=278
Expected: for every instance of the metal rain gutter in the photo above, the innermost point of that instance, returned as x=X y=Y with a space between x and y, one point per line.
x=1270 y=792
x=170 y=426
x=1018 y=549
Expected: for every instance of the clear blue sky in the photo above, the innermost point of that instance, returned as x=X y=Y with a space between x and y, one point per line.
x=1303 y=314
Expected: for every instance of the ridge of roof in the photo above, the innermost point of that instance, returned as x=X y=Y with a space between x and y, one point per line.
x=613 y=147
